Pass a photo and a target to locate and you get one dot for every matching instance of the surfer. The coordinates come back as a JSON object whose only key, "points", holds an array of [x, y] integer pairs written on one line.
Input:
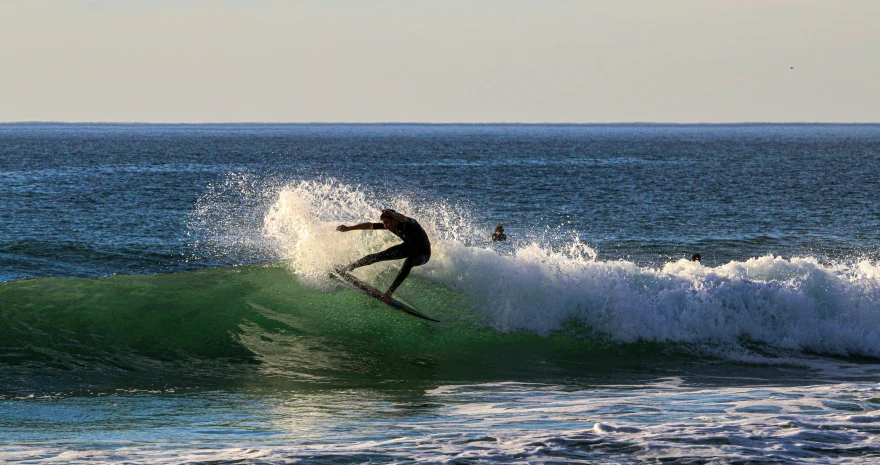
{"points": [[696, 258], [416, 248], [498, 235]]}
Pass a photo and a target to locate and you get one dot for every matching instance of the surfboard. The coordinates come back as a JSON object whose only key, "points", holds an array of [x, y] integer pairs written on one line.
{"points": [[371, 291]]}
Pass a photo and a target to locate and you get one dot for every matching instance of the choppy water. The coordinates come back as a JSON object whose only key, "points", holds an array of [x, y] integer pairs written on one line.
{"points": [[165, 298]]}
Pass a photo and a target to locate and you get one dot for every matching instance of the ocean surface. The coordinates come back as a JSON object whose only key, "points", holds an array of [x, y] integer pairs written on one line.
{"points": [[165, 299]]}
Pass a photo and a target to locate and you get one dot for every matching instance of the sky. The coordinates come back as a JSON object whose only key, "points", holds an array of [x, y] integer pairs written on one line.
{"points": [[440, 61]]}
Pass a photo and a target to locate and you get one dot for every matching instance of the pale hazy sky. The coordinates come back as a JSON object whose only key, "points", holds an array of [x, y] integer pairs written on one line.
{"points": [[440, 61]]}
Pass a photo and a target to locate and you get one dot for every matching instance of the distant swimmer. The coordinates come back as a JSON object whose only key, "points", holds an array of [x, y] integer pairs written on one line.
{"points": [[498, 235], [416, 248], [696, 258]]}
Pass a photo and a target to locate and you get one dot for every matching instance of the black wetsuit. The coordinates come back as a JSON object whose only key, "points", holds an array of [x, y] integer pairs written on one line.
{"points": [[416, 249]]}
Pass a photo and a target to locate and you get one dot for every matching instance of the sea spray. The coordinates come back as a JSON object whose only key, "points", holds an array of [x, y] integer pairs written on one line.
{"points": [[226, 222]]}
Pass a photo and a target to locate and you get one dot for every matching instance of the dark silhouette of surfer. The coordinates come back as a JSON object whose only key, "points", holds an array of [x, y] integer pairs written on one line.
{"points": [[416, 247], [696, 258]]}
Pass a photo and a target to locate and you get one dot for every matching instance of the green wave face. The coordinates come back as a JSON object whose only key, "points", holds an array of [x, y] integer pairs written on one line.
{"points": [[256, 326]]}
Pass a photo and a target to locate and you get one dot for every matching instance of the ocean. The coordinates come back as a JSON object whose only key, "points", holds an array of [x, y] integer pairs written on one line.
{"points": [[165, 297]]}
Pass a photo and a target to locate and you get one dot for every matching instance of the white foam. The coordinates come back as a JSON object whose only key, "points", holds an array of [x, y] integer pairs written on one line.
{"points": [[796, 303]]}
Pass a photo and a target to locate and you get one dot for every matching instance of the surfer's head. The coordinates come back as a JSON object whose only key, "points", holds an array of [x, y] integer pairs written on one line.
{"points": [[696, 257], [388, 219]]}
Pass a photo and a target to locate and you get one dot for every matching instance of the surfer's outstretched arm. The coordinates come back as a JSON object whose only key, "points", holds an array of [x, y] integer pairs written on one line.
{"points": [[344, 228]]}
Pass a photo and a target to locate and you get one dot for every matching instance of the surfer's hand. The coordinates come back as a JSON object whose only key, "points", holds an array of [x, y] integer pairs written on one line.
{"points": [[342, 228]]}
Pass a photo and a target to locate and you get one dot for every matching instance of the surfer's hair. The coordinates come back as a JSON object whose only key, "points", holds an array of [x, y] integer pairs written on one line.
{"points": [[387, 213]]}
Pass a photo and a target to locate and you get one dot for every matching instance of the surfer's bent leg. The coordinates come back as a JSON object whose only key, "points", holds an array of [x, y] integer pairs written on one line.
{"points": [[411, 261], [392, 253]]}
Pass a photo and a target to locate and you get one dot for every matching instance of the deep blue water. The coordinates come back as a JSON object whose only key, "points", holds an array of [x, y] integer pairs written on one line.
{"points": [[164, 294]]}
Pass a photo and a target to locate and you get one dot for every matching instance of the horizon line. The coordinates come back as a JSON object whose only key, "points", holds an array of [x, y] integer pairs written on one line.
{"points": [[422, 123]]}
